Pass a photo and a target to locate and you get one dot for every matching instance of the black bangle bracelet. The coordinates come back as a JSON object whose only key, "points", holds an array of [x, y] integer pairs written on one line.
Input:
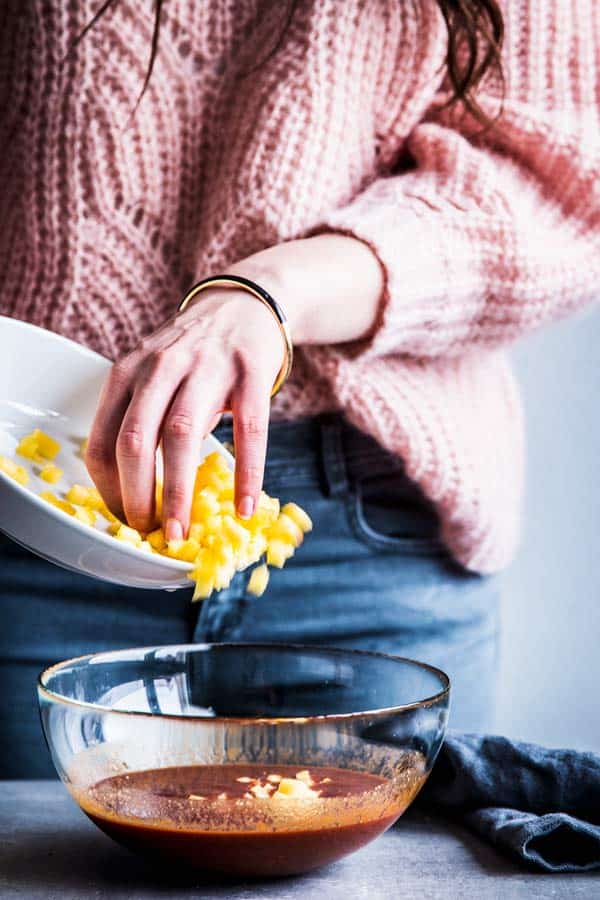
{"points": [[251, 287]]}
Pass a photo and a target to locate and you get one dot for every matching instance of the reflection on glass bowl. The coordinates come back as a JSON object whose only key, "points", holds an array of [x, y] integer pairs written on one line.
{"points": [[245, 759]]}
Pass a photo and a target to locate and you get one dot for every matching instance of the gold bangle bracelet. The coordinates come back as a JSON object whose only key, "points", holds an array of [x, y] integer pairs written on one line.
{"points": [[236, 281]]}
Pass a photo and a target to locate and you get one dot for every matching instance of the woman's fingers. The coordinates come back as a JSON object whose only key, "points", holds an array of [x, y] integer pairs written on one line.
{"points": [[184, 428], [157, 382], [100, 455], [250, 430]]}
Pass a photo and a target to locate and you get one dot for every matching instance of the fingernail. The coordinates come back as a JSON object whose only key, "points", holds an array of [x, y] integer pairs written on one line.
{"points": [[245, 507], [173, 530]]}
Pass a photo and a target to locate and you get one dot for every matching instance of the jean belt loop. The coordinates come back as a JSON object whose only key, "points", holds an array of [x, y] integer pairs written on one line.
{"points": [[332, 456]]}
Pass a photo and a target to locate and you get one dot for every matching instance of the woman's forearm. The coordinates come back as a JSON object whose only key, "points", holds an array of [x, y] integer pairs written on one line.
{"points": [[330, 286]]}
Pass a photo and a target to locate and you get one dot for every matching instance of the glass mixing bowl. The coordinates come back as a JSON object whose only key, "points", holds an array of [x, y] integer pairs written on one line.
{"points": [[245, 759]]}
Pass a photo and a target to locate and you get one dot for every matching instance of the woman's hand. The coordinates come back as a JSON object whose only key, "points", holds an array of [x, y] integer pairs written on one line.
{"points": [[223, 352]]}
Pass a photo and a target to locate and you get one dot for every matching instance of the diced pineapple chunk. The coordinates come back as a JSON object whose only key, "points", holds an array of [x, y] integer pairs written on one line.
{"points": [[107, 514], [295, 789], [258, 581], [15, 471], [256, 547], [236, 533], [278, 552], [128, 535], [298, 515], [85, 495], [28, 449], [213, 524], [156, 539], [205, 504], [51, 473], [47, 446], [87, 516], [38, 446], [216, 462], [51, 498], [286, 530], [203, 589], [187, 551]]}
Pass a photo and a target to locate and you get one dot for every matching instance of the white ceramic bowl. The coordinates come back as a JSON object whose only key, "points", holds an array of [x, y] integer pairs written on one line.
{"points": [[49, 382]]}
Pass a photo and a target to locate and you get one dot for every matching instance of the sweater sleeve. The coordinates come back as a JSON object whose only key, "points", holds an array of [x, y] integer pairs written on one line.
{"points": [[492, 234]]}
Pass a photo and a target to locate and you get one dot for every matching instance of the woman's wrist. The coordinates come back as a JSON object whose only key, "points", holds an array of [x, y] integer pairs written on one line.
{"points": [[329, 286]]}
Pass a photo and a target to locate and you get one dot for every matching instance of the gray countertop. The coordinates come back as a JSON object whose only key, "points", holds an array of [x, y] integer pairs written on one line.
{"points": [[49, 850]]}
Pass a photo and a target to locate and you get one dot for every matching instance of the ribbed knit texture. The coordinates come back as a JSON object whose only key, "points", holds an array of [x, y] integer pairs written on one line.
{"points": [[106, 218]]}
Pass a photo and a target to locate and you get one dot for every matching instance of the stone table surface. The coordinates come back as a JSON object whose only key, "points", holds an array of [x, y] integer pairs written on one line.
{"points": [[50, 850]]}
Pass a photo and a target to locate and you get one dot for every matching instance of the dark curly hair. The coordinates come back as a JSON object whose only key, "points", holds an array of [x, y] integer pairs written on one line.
{"points": [[475, 34]]}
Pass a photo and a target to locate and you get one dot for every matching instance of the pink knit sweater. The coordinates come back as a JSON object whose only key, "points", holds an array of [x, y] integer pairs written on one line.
{"points": [[105, 219]]}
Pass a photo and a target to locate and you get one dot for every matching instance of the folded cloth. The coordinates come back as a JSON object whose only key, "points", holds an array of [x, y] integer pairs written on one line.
{"points": [[538, 804]]}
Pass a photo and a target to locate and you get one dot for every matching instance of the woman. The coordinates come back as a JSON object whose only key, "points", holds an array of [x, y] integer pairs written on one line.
{"points": [[412, 211]]}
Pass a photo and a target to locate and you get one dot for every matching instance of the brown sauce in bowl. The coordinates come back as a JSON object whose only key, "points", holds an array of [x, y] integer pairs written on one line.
{"points": [[234, 818]]}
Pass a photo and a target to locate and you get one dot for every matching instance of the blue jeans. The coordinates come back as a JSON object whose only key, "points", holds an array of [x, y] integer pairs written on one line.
{"points": [[372, 574]]}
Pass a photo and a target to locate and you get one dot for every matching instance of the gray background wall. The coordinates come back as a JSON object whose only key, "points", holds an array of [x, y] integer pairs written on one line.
{"points": [[550, 659]]}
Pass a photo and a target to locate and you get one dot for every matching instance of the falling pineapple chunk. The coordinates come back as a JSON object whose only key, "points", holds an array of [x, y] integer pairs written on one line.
{"points": [[258, 581]]}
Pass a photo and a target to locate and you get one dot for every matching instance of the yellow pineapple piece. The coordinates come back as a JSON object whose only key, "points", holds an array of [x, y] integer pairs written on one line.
{"points": [[295, 789], [51, 473], [28, 448], [204, 504], [258, 581], [87, 516], [278, 552], [216, 462], [85, 495], [15, 471], [238, 536], [108, 515], [256, 547], [38, 446], [213, 524], [156, 539], [187, 551], [298, 515], [203, 589], [83, 448], [266, 513], [127, 535], [47, 446], [209, 477], [228, 508], [197, 532], [51, 498], [203, 575], [286, 530]]}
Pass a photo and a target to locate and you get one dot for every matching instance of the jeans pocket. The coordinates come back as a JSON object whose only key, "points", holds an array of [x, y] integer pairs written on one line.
{"points": [[388, 513]]}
